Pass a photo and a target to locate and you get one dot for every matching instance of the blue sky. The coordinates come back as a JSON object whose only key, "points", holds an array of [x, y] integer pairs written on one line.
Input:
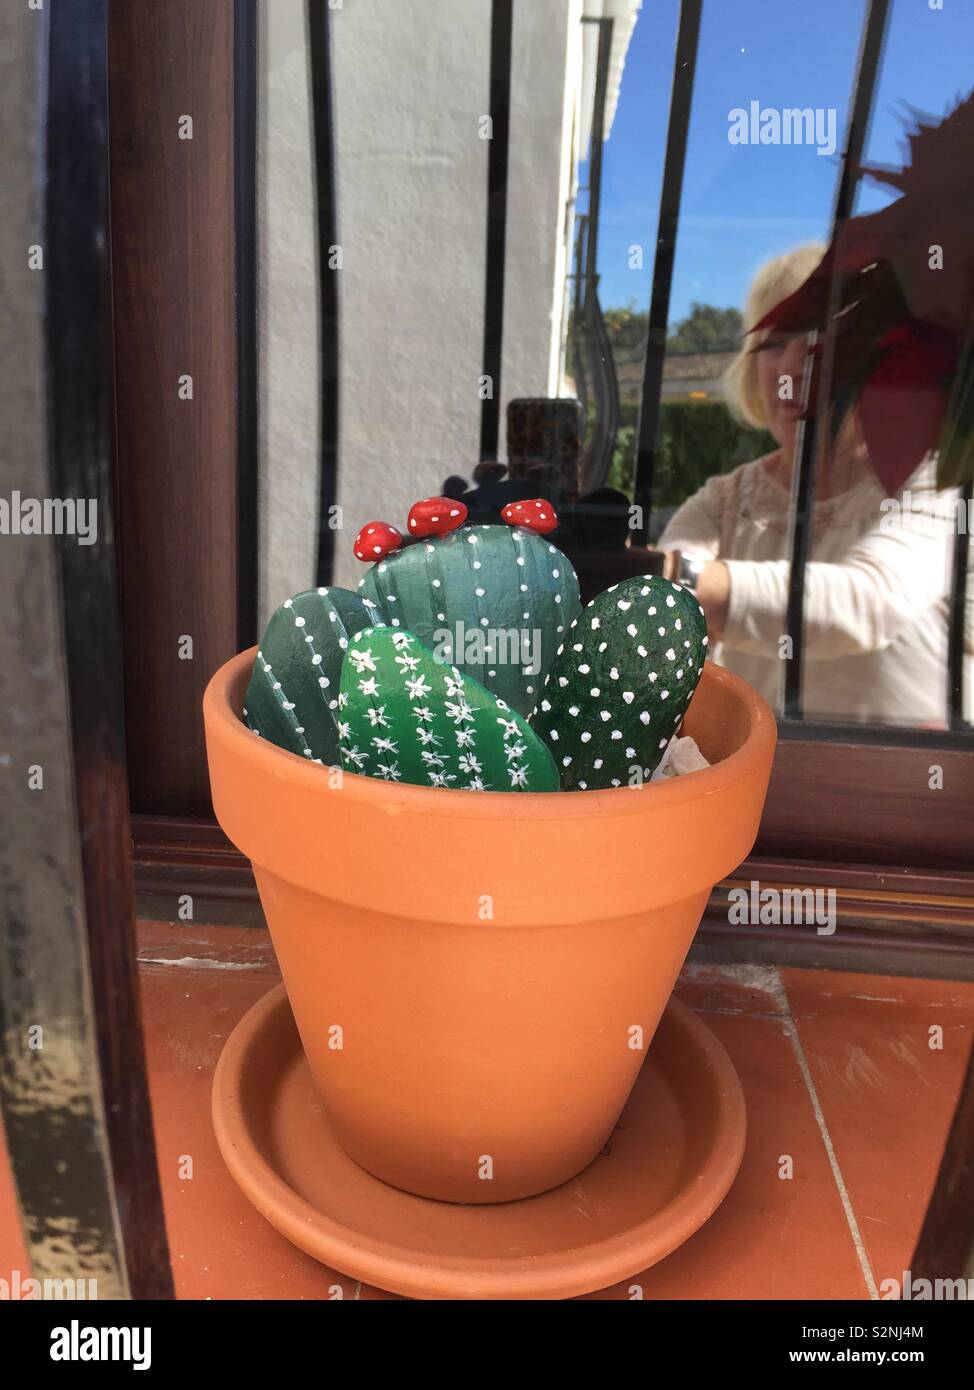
{"points": [[743, 203]]}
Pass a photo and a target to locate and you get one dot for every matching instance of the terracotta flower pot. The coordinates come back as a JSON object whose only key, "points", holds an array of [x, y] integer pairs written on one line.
{"points": [[476, 977]]}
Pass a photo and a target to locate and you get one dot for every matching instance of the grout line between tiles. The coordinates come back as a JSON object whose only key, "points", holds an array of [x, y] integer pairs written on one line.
{"points": [[844, 1198]]}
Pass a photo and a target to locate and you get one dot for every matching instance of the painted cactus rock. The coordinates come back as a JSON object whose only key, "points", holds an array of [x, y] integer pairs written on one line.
{"points": [[621, 682], [292, 698], [406, 717], [495, 601]]}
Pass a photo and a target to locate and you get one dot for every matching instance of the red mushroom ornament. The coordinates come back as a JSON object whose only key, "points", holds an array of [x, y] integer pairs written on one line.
{"points": [[435, 516], [535, 514], [376, 540]]}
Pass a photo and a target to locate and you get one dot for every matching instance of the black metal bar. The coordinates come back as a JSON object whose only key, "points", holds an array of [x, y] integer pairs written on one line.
{"points": [[809, 431], [945, 1246], [958, 605], [501, 31], [326, 218], [681, 97], [245, 263]]}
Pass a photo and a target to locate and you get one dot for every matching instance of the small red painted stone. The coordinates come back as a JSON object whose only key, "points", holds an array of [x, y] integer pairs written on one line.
{"points": [[376, 540], [534, 515], [435, 516]]}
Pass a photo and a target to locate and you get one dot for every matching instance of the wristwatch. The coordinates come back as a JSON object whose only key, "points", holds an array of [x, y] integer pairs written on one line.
{"points": [[689, 572]]}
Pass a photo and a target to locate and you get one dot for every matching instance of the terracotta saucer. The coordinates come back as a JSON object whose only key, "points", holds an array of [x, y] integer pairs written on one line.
{"points": [[667, 1166]]}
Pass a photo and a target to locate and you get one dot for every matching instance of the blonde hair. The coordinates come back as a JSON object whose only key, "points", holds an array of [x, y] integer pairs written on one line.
{"points": [[775, 280]]}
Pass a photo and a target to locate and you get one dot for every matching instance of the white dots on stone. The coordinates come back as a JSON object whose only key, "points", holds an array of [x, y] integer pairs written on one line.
{"points": [[480, 592], [644, 716], [670, 654], [584, 669], [628, 696], [624, 604], [585, 736], [633, 630]]}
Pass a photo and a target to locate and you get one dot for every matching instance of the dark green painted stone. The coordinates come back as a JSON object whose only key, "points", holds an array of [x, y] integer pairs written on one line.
{"points": [[495, 601], [621, 682], [292, 698]]}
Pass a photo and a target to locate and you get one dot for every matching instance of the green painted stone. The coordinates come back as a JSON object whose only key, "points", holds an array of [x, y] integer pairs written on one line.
{"points": [[495, 601], [406, 717], [621, 682], [292, 698]]}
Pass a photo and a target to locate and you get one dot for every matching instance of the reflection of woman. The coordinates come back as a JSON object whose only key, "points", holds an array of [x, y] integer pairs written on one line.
{"points": [[877, 579]]}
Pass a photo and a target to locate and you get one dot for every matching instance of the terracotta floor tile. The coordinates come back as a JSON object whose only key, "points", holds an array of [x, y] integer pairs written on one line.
{"points": [[887, 1096], [221, 1247], [13, 1251], [736, 989], [886, 1099], [772, 1237]]}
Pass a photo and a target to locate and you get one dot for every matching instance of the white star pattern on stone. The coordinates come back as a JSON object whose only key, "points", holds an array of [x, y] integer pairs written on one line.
{"points": [[362, 660]]}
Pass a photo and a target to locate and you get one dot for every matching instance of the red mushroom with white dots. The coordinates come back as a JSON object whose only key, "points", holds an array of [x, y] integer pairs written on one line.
{"points": [[536, 514], [435, 516], [376, 540]]}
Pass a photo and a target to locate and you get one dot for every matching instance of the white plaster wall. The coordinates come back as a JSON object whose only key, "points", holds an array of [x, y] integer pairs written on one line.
{"points": [[545, 69], [411, 82], [288, 310]]}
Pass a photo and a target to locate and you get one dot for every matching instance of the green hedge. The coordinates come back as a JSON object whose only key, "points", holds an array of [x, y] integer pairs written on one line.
{"points": [[696, 440]]}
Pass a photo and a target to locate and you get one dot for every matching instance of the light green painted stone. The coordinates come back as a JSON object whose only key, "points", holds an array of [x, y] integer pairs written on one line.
{"points": [[406, 717]]}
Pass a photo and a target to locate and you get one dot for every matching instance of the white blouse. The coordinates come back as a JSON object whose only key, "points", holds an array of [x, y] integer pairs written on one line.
{"points": [[877, 587]]}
